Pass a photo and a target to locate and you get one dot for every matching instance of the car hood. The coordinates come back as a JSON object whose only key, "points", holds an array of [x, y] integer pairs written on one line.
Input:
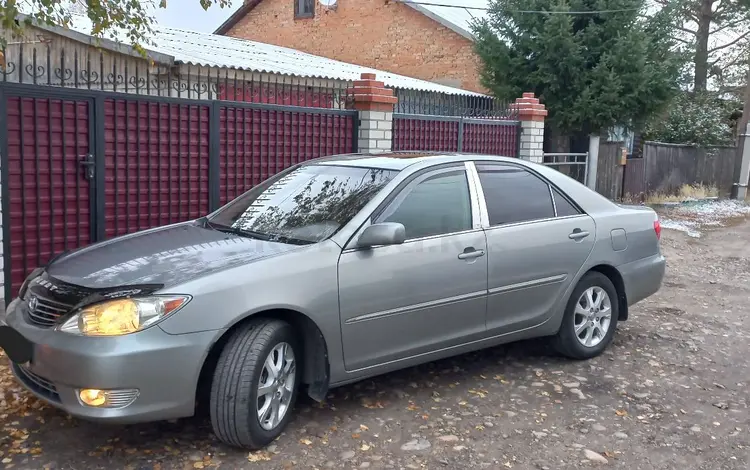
{"points": [[164, 256]]}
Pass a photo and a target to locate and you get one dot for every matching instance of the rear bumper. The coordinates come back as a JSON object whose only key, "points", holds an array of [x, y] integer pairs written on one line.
{"points": [[163, 368], [643, 278]]}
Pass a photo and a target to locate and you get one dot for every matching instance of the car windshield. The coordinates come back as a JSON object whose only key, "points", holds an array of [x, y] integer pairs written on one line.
{"points": [[305, 206]]}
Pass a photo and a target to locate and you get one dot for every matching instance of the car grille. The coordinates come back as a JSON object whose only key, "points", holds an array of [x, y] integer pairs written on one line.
{"points": [[46, 312], [36, 383]]}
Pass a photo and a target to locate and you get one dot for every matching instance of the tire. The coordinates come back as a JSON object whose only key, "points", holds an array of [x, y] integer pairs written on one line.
{"points": [[567, 342], [235, 394]]}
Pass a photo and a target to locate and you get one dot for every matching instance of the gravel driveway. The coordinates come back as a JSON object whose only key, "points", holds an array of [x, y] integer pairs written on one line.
{"points": [[671, 392]]}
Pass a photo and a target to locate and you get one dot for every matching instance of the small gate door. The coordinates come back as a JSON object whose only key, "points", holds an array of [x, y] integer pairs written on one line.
{"points": [[47, 171]]}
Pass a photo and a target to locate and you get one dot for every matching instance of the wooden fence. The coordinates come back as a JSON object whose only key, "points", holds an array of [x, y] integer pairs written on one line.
{"points": [[664, 168], [669, 167], [609, 171]]}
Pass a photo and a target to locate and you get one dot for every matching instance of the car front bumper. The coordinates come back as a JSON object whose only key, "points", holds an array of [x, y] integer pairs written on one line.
{"points": [[163, 368]]}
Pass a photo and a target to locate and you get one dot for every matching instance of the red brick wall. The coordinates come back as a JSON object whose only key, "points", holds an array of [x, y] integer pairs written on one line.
{"points": [[374, 33]]}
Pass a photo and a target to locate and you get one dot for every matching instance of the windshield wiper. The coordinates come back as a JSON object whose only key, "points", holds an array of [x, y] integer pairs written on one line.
{"points": [[268, 237], [238, 231], [290, 240]]}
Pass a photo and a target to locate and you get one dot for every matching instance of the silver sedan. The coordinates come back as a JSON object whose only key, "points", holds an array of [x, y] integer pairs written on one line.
{"points": [[332, 271]]}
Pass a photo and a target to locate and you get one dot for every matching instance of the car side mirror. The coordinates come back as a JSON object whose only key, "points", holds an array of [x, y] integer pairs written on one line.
{"points": [[387, 233]]}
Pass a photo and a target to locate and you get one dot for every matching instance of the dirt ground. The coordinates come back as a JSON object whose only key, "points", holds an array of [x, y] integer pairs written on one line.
{"points": [[670, 393]]}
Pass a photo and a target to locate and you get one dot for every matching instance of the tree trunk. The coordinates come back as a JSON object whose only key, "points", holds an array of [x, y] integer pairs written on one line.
{"points": [[746, 107], [701, 51]]}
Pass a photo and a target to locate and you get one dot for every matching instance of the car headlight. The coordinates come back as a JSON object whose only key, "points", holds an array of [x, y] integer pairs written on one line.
{"points": [[122, 316]]}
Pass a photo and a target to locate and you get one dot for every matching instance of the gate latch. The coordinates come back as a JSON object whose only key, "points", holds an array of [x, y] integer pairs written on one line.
{"points": [[88, 164]]}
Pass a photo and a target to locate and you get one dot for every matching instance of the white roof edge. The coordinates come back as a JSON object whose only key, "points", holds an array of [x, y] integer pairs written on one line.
{"points": [[443, 21], [172, 46]]}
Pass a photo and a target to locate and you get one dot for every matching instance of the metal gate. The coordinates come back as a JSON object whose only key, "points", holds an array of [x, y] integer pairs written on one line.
{"points": [[80, 166], [574, 165]]}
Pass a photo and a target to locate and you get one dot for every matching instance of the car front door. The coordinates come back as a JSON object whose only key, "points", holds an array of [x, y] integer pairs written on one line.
{"points": [[537, 241], [426, 294]]}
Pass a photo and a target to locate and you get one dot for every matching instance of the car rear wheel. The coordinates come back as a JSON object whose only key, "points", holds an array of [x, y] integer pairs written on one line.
{"points": [[255, 384], [590, 318]]}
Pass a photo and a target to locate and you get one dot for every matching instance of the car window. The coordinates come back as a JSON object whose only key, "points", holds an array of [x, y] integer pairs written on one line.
{"points": [[306, 206], [564, 208], [438, 205], [514, 195]]}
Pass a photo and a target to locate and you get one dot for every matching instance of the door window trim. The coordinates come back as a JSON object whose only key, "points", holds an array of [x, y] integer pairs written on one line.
{"points": [[550, 186], [410, 182]]}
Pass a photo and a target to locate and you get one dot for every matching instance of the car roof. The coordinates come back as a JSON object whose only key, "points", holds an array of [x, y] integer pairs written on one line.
{"points": [[400, 160], [590, 201]]}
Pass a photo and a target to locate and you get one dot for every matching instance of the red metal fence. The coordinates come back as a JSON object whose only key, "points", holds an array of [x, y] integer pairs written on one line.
{"points": [[456, 134], [79, 166], [258, 141]]}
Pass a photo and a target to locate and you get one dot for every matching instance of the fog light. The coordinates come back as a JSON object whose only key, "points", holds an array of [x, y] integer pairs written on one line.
{"points": [[92, 397], [107, 398]]}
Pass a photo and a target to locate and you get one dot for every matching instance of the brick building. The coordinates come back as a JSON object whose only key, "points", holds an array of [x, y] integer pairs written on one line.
{"points": [[418, 39]]}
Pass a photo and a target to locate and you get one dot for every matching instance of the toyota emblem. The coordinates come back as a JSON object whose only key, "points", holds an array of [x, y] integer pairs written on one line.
{"points": [[33, 301]]}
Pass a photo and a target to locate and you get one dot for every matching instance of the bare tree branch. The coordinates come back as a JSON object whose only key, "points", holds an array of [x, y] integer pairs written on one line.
{"points": [[729, 25], [687, 30], [736, 61], [730, 43]]}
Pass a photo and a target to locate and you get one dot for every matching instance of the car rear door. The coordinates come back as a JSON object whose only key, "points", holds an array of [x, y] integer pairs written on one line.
{"points": [[537, 241], [429, 293]]}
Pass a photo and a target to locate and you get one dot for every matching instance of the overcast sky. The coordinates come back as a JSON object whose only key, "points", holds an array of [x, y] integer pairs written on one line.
{"points": [[188, 14]]}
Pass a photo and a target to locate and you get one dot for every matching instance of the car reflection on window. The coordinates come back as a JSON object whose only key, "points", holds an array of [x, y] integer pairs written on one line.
{"points": [[308, 205]]}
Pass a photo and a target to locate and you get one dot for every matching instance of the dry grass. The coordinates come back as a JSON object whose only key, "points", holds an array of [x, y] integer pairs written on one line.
{"points": [[686, 192]]}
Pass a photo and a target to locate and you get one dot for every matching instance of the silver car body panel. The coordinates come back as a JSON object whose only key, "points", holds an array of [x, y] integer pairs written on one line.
{"points": [[377, 310]]}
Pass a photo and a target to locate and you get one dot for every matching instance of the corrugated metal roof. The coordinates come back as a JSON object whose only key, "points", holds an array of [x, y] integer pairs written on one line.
{"points": [[190, 47], [222, 51], [454, 14]]}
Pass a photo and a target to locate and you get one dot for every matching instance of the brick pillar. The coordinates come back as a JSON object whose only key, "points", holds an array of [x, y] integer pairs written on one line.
{"points": [[375, 105], [531, 113]]}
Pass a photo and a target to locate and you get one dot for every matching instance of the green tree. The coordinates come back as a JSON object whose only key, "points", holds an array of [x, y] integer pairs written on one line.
{"points": [[130, 19], [697, 119], [593, 69]]}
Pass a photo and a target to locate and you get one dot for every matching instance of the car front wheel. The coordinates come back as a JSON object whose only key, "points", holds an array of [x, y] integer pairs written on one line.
{"points": [[255, 384], [590, 318]]}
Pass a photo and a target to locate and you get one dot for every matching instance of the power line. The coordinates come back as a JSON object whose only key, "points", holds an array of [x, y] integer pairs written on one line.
{"points": [[545, 12]]}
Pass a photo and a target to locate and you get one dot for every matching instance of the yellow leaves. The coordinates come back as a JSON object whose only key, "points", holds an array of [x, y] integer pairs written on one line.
{"points": [[259, 456], [370, 404], [198, 465], [365, 447], [621, 412], [307, 442], [363, 427], [479, 393]]}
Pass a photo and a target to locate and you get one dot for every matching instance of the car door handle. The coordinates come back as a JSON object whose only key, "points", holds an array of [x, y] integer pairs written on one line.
{"points": [[578, 234], [471, 253]]}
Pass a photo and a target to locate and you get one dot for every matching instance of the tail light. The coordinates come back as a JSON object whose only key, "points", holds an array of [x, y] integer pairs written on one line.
{"points": [[657, 228]]}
